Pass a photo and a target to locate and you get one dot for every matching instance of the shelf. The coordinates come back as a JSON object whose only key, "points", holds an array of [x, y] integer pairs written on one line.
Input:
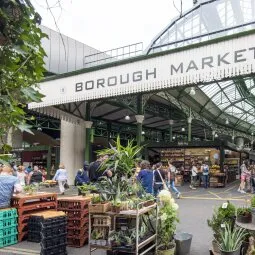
{"points": [[147, 241], [104, 247]]}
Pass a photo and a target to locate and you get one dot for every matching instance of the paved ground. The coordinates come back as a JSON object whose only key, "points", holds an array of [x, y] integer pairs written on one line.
{"points": [[196, 206]]}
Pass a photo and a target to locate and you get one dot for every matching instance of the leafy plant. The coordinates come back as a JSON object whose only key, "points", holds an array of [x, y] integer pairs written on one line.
{"points": [[21, 64], [253, 202], [30, 189], [231, 238], [244, 211], [121, 159], [168, 219], [85, 188], [222, 216]]}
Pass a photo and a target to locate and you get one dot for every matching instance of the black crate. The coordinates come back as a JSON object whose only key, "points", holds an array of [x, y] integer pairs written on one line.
{"points": [[34, 237], [59, 250], [52, 242], [55, 230]]}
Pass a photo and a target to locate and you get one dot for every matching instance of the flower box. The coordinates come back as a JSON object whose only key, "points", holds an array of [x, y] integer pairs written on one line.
{"points": [[100, 207]]}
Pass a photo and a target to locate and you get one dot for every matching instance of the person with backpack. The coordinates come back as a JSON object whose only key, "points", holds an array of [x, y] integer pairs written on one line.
{"points": [[205, 171], [172, 172], [35, 177], [159, 178]]}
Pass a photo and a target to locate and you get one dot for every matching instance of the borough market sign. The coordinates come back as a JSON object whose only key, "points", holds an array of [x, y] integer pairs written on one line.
{"points": [[197, 65]]}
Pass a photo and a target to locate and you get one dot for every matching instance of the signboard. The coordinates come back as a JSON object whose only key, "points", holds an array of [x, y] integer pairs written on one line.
{"points": [[216, 61]]}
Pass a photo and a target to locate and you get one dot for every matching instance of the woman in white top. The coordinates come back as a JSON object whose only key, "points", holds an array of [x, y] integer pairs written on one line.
{"points": [[21, 175], [61, 177], [193, 175]]}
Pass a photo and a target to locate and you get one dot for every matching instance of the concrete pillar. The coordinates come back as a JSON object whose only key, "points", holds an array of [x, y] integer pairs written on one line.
{"points": [[67, 149], [14, 138], [88, 125], [170, 122], [189, 129], [139, 119]]}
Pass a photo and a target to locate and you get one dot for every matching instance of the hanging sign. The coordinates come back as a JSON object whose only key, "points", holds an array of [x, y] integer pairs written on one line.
{"points": [[206, 63]]}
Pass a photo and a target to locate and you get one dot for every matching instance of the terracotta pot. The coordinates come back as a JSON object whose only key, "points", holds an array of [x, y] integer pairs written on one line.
{"points": [[170, 251], [116, 209]]}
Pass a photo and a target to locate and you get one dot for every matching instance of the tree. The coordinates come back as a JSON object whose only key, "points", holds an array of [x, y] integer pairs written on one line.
{"points": [[21, 63]]}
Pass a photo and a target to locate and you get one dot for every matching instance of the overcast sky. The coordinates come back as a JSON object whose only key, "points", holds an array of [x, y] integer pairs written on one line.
{"points": [[107, 24]]}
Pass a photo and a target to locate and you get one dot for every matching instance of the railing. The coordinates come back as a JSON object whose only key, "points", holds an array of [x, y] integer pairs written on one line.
{"points": [[113, 55]]}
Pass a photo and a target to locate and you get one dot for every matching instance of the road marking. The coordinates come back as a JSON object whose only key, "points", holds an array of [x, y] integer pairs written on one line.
{"points": [[215, 198], [214, 194]]}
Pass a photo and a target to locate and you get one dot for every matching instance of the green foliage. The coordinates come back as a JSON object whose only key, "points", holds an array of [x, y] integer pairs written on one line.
{"points": [[30, 189], [167, 224], [222, 216], [86, 188], [243, 211], [253, 201], [21, 62], [121, 159], [231, 238]]}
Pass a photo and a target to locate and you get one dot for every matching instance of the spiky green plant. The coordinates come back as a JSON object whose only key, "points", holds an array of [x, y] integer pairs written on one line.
{"points": [[121, 159], [231, 239]]}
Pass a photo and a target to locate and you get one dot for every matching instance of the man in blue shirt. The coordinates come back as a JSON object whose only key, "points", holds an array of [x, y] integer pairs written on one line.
{"points": [[8, 185], [145, 176]]}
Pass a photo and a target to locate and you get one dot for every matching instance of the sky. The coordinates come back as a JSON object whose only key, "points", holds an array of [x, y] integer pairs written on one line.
{"points": [[108, 24]]}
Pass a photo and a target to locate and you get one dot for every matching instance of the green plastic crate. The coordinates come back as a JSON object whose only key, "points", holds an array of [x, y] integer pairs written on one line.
{"points": [[8, 223], [8, 232], [8, 214], [9, 240]]}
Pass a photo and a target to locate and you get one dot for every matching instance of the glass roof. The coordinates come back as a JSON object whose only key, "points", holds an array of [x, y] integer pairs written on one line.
{"points": [[208, 19], [235, 99]]}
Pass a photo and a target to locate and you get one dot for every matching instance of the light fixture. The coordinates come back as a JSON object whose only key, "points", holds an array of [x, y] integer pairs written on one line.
{"points": [[173, 137], [143, 133], [39, 128], [183, 129], [216, 135], [127, 117], [157, 140], [227, 121], [192, 91]]}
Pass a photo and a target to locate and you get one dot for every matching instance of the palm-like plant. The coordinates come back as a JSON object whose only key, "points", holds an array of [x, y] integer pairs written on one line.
{"points": [[231, 240], [121, 159]]}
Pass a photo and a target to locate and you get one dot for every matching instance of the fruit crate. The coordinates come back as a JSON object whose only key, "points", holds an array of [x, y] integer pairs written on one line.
{"points": [[22, 236], [54, 251], [53, 230], [8, 214], [99, 208], [34, 237], [75, 203], [77, 233], [76, 214], [52, 242], [8, 223], [8, 232], [77, 223], [8, 240], [77, 242]]}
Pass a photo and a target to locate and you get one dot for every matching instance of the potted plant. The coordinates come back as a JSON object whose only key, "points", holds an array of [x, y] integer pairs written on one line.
{"points": [[168, 220], [129, 239], [225, 213], [85, 189], [115, 238], [231, 240], [30, 189], [116, 204], [253, 209], [244, 214]]}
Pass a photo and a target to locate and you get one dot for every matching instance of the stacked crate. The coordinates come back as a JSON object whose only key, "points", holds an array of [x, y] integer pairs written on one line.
{"points": [[50, 229], [8, 227], [29, 204], [76, 209]]}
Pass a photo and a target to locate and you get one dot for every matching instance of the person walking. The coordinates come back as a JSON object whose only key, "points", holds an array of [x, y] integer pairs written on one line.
{"points": [[145, 176], [245, 176], [21, 175], [193, 175], [159, 178], [35, 177], [61, 178], [172, 171], [205, 171]]}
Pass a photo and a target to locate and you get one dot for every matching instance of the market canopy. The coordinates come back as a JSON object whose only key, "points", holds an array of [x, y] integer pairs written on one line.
{"points": [[211, 47]]}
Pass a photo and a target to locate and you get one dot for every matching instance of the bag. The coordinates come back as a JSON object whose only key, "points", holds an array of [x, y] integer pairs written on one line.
{"points": [[163, 182], [66, 186]]}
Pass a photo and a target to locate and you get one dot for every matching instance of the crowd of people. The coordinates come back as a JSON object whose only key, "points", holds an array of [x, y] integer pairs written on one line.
{"points": [[247, 183]]}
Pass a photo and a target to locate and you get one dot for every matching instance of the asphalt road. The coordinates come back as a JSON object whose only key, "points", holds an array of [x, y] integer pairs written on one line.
{"points": [[196, 206]]}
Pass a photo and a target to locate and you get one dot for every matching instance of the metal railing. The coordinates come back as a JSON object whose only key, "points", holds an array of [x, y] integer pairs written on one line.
{"points": [[113, 55]]}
